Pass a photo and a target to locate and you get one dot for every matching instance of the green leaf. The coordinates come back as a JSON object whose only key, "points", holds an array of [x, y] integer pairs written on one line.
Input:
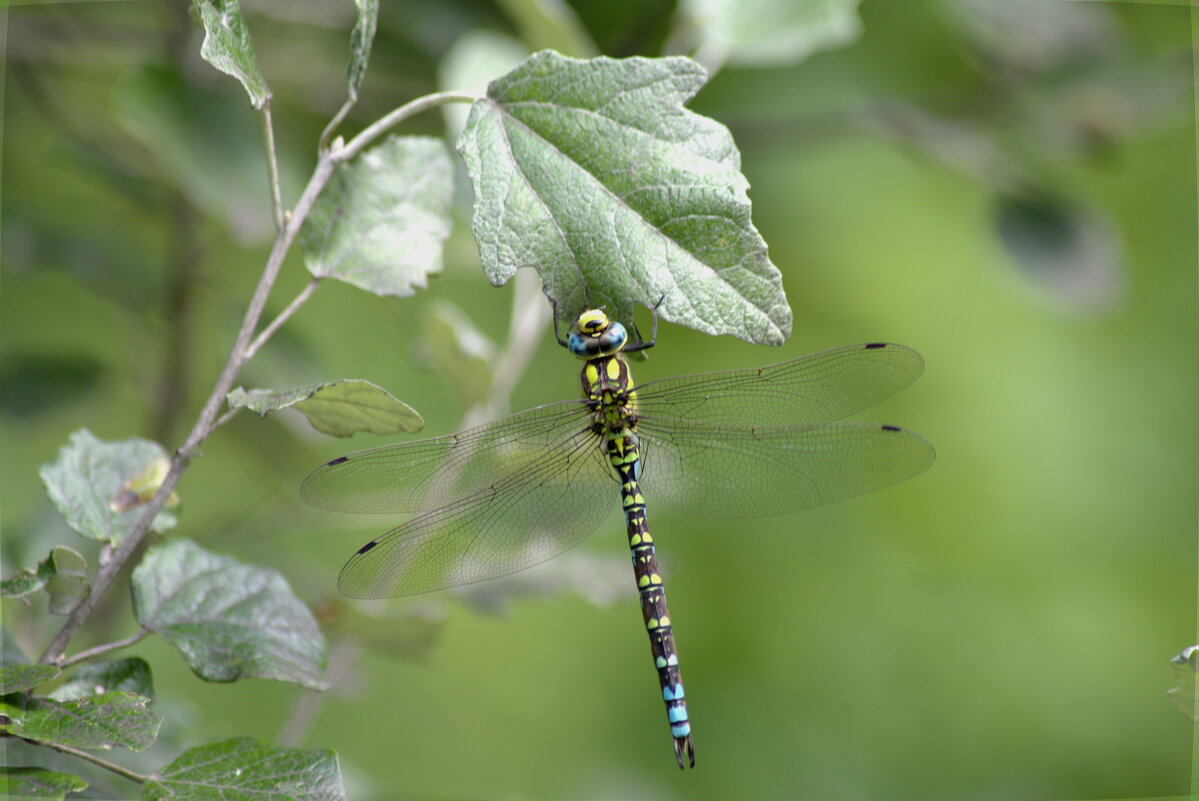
{"points": [[246, 769], [63, 573], [111, 720], [96, 678], [1185, 665], [381, 221], [338, 408], [40, 782], [69, 583], [88, 476], [227, 47], [18, 677], [594, 174], [229, 620], [771, 33], [361, 39]]}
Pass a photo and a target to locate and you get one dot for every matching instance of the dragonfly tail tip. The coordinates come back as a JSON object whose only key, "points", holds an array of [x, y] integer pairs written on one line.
{"points": [[683, 745]]}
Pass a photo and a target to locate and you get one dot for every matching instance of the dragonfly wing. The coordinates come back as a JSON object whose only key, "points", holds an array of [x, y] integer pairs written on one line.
{"points": [[811, 389], [520, 520], [756, 471], [430, 473]]}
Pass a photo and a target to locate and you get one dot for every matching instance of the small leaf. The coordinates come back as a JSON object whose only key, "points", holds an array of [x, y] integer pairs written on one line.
{"points": [[1186, 664], [247, 770], [361, 39], [381, 221], [227, 47], [229, 620], [69, 584], [89, 473], [39, 782], [594, 174], [18, 677], [96, 678], [63, 574], [771, 33], [111, 720], [338, 408]]}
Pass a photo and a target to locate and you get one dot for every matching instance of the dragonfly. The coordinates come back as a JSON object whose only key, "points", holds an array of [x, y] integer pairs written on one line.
{"points": [[518, 491]]}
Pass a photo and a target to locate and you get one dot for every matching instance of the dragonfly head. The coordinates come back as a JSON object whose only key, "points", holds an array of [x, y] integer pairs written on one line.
{"points": [[596, 335]]}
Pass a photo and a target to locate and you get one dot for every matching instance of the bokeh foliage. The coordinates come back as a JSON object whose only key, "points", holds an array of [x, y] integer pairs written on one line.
{"points": [[1010, 193]]}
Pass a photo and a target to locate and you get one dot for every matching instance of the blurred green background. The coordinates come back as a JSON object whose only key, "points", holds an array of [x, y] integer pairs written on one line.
{"points": [[1010, 192]]}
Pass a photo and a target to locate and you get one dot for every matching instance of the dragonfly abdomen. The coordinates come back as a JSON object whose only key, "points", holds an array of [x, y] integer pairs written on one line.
{"points": [[624, 452]]}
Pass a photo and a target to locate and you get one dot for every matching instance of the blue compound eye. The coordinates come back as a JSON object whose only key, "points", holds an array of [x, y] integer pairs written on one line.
{"points": [[613, 340]]}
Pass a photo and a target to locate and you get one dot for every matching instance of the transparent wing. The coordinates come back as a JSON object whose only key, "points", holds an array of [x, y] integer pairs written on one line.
{"points": [[727, 471], [520, 520], [811, 389], [430, 473]]}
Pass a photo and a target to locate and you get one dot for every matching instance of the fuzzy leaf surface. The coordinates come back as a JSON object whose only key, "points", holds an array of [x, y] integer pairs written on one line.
{"points": [[594, 174], [229, 620]]}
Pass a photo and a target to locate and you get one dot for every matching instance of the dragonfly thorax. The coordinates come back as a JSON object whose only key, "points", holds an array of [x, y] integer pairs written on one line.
{"points": [[595, 335]]}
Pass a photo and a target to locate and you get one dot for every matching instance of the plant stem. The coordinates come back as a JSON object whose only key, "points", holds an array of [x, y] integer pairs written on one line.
{"points": [[239, 353], [229, 414], [372, 131], [142, 633], [272, 165], [95, 760], [274, 325], [204, 424], [323, 143]]}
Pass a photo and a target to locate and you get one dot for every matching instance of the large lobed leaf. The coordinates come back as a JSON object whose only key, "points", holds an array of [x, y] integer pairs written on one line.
{"points": [[90, 476], [594, 174], [229, 620], [246, 769], [110, 720], [337, 408], [381, 221]]}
